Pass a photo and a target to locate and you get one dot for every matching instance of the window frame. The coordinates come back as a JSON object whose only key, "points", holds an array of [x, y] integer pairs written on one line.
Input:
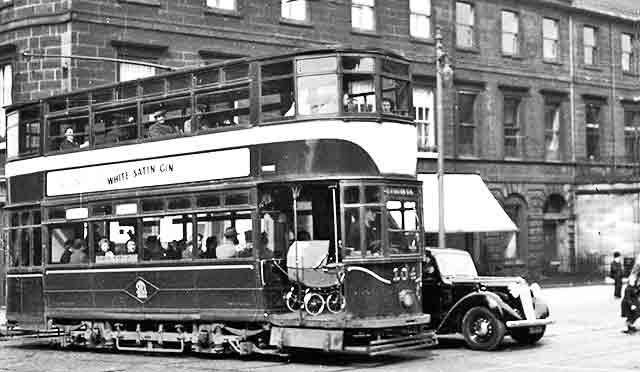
{"points": [[471, 26], [554, 41], [631, 133], [460, 125], [516, 129], [289, 19], [550, 131], [593, 47], [417, 14], [515, 35], [593, 132], [430, 143], [358, 6], [216, 7], [628, 53]]}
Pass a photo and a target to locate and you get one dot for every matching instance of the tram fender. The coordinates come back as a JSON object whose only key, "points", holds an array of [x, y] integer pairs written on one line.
{"points": [[320, 339]]}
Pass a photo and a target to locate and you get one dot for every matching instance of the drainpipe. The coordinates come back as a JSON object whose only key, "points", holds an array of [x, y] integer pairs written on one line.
{"points": [[613, 98], [572, 93]]}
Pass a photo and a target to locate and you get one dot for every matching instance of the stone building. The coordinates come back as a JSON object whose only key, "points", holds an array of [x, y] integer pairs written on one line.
{"points": [[544, 102]]}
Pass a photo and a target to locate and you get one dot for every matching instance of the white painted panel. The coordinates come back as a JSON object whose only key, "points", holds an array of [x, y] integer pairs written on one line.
{"points": [[153, 172]]}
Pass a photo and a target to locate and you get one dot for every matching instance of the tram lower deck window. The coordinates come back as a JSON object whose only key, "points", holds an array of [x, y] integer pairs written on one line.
{"points": [[68, 243]]}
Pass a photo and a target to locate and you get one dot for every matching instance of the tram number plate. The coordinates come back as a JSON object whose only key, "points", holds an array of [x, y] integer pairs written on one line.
{"points": [[536, 330]]}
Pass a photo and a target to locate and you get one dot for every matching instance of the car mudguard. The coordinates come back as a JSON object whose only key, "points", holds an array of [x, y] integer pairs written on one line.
{"points": [[490, 300]]}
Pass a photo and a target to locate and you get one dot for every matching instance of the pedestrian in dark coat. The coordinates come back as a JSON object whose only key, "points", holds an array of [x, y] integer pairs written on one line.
{"points": [[630, 305], [616, 274]]}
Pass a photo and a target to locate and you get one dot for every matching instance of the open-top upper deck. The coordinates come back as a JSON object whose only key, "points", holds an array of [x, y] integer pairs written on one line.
{"points": [[331, 85]]}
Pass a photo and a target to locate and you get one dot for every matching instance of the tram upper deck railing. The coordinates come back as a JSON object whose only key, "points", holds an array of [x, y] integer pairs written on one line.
{"points": [[337, 84]]}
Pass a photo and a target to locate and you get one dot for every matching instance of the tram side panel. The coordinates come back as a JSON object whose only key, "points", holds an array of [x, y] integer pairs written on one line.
{"points": [[175, 293], [25, 303]]}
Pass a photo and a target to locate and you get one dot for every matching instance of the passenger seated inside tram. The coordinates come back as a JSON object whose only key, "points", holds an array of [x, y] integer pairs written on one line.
{"points": [[79, 252], [198, 122], [106, 249], [209, 248], [131, 247], [230, 246], [66, 254], [350, 104]]}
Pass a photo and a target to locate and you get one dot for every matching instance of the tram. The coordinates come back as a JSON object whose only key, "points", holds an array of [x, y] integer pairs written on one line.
{"points": [[257, 205]]}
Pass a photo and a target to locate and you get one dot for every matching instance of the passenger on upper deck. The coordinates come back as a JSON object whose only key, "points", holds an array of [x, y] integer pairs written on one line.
{"points": [[160, 128], [387, 105], [131, 247], [69, 141], [68, 249]]}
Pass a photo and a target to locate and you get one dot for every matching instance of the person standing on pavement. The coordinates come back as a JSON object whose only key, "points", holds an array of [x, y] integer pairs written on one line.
{"points": [[616, 274], [630, 305]]}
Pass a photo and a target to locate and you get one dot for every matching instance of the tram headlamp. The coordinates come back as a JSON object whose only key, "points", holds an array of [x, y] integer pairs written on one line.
{"points": [[407, 298]]}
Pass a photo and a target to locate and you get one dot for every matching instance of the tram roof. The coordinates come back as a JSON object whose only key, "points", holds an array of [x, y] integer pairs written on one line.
{"points": [[340, 48]]}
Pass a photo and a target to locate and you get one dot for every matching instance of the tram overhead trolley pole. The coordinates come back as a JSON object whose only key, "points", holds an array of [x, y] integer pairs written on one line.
{"points": [[443, 72]]}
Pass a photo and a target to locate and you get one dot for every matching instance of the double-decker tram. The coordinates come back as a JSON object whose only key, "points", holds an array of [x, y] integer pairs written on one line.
{"points": [[257, 205]]}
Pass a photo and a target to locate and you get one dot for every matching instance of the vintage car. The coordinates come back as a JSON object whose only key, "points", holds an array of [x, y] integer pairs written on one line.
{"points": [[483, 309]]}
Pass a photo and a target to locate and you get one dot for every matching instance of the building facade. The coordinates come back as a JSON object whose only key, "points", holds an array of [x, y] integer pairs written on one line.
{"points": [[544, 102]]}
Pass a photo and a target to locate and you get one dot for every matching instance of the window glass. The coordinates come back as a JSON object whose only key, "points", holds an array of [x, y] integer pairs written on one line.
{"points": [[237, 71], [351, 194], [358, 64], [29, 132], [222, 4], [57, 213], [14, 248], [115, 125], [395, 96], [14, 140], [115, 241], [130, 71], [167, 238], [510, 33], [225, 235], [420, 21], [552, 131], [78, 100], [102, 95], [149, 205], [37, 246], [57, 104], [550, 36], [317, 94], [68, 244], [592, 121], [223, 109], [208, 77], [359, 94], [511, 127], [626, 51], [68, 133], [316, 65], [390, 66], [362, 226], [102, 209], [208, 201], [403, 226], [235, 199], [179, 82], [180, 203], [277, 99], [294, 9], [589, 43], [166, 118], [465, 20], [372, 194], [423, 106], [363, 14], [126, 91], [153, 86]]}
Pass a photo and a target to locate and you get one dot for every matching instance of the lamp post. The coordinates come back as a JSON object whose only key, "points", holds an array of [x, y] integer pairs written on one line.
{"points": [[443, 72]]}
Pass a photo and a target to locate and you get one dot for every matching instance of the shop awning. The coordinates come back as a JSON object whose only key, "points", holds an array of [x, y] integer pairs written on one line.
{"points": [[469, 206]]}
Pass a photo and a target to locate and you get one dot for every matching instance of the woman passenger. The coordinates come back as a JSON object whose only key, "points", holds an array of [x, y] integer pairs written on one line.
{"points": [[79, 252], [131, 247], [105, 248]]}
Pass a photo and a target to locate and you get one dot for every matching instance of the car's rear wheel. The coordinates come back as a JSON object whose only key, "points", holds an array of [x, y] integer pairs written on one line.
{"points": [[526, 337], [481, 329]]}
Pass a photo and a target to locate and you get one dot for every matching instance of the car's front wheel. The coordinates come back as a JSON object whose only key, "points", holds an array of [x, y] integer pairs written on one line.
{"points": [[527, 336], [481, 328]]}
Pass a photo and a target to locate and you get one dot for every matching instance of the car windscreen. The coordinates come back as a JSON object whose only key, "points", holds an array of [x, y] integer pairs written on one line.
{"points": [[456, 265]]}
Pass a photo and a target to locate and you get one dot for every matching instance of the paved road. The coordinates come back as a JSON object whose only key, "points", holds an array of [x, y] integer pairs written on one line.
{"points": [[586, 338]]}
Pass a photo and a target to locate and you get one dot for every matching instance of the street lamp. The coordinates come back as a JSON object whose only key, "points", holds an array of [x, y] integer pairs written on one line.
{"points": [[443, 72]]}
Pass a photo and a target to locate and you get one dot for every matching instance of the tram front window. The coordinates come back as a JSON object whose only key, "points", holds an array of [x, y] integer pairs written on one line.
{"points": [[363, 226], [403, 226], [317, 85]]}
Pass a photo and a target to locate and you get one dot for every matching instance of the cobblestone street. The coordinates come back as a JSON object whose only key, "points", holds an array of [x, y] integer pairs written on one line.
{"points": [[586, 337]]}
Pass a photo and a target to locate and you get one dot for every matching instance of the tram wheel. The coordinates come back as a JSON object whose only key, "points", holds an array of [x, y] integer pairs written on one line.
{"points": [[313, 303], [335, 302]]}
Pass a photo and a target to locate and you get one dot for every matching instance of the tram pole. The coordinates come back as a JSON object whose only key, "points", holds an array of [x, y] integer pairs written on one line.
{"points": [[443, 71]]}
